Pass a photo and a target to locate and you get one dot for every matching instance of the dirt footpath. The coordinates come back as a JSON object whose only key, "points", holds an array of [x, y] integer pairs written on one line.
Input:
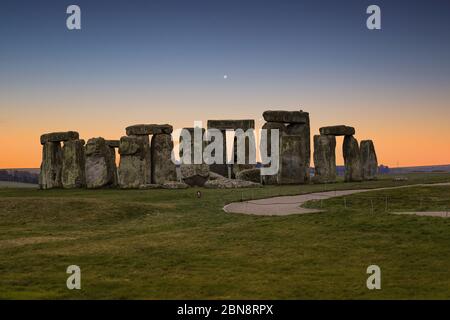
{"points": [[282, 206]]}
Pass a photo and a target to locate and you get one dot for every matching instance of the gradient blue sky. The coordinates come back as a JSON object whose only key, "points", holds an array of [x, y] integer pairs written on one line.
{"points": [[163, 62]]}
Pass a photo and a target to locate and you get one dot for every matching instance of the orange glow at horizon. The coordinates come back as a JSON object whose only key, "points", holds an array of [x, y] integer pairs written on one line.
{"points": [[411, 138]]}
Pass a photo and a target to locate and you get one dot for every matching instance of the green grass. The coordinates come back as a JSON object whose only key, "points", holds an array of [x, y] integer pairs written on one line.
{"points": [[168, 244]]}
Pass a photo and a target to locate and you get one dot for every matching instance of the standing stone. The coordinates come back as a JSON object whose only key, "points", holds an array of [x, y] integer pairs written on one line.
{"points": [[324, 158], [221, 168], [369, 160], [352, 159], [200, 145], [193, 174], [51, 166], [132, 165], [269, 126], [73, 164], [163, 169], [292, 160], [99, 166], [303, 130], [148, 158]]}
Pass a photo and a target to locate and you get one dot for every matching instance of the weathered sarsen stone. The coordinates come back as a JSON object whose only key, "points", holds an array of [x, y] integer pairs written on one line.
{"points": [[352, 159], [303, 130], [51, 166], [292, 160], [99, 166], [286, 116], [369, 160], [73, 164], [192, 144], [324, 158], [220, 168], [340, 130], [148, 129], [244, 124], [59, 136], [163, 168], [270, 127], [132, 162], [253, 175], [113, 145], [194, 174]]}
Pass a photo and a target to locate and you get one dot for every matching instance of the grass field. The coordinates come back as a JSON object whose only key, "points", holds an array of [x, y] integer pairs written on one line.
{"points": [[169, 244]]}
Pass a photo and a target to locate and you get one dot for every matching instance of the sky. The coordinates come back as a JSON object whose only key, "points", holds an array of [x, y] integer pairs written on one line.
{"points": [[165, 61]]}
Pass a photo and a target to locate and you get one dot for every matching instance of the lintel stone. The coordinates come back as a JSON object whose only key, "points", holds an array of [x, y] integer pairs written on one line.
{"points": [[113, 143], [148, 129], [339, 130], [286, 116], [231, 124], [59, 136]]}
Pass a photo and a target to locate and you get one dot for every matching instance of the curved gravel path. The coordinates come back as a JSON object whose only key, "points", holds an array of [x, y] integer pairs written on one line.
{"points": [[286, 205]]}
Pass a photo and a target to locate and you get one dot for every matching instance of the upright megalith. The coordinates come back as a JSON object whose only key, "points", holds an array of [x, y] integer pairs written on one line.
{"points": [[220, 168], [194, 172], [270, 128], [163, 168], [369, 160], [52, 158], [99, 166], [132, 165], [192, 146], [304, 131], [297, 125], [292, 160], [324, 158], [51, 166], [352, 159], [73, 164]]}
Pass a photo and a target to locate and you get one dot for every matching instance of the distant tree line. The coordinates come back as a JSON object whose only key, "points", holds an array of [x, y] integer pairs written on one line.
{"points": [[19, 176]]}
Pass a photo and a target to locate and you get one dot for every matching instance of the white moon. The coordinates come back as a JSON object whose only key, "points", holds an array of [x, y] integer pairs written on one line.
{"points": [[225, 76]]}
